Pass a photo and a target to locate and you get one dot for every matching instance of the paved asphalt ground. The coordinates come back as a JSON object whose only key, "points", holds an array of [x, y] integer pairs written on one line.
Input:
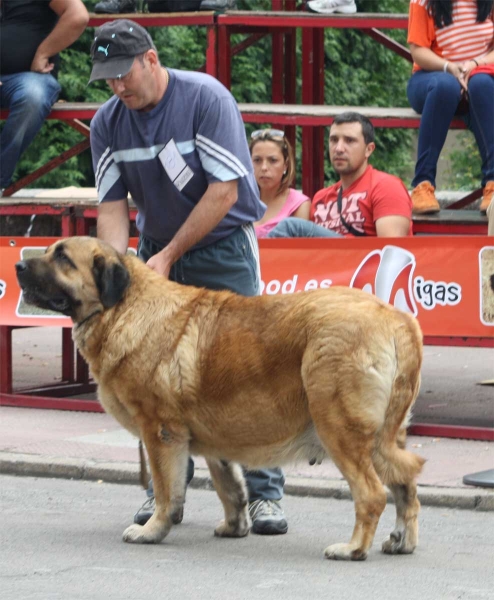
{"points": [[62, 541]]}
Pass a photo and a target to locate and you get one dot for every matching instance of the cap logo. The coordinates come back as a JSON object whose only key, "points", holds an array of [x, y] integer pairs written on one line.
{"points": [[104, 50]]}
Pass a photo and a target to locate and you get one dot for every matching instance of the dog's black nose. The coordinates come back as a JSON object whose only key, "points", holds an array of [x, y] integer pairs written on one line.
{"points": [[21, 266]]}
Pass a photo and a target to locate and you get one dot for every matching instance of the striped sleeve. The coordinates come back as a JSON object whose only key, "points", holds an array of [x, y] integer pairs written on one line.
{"points": [[221, 143], [107, 176]]}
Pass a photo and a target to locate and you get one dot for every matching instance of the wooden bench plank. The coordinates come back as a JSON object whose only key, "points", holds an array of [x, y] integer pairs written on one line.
{"points": [[451, 222], [284, 19], [157, 19], [282, 114]]}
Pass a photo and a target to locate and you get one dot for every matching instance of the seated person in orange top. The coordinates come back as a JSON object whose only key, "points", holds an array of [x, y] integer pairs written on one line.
{"points": [[274, 169], [452, 46], [365, 202]]}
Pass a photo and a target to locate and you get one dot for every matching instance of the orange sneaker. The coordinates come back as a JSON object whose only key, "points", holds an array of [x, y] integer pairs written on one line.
{"points": [[424, 200], [487, 196]]}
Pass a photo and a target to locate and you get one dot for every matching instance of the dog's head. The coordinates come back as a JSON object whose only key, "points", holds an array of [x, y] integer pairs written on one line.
{"points": [[77, 277]]}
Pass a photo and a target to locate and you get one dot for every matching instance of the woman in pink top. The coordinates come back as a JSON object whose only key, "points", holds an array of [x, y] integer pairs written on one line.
{"points": [[274, 169]]}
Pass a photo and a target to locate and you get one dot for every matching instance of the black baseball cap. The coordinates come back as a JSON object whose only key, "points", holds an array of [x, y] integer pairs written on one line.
{"points": [[115, 46]]}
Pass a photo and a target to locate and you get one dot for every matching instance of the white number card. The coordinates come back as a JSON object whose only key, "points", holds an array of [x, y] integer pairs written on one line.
{"points": [[175, 166]]}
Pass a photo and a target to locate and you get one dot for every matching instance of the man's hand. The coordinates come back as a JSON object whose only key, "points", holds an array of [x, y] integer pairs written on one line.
{"points": [[41, 64], [161, 263]]}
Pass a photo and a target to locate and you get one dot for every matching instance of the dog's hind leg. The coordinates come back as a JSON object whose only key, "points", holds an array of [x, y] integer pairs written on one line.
{"points": [[351, 452], [168, 462], [229, 483], [404, 538]]}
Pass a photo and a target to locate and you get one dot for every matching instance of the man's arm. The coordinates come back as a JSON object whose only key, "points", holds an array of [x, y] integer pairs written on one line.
{"points": [[113, 224], [392, 226], [73, 18], [207, 213]]}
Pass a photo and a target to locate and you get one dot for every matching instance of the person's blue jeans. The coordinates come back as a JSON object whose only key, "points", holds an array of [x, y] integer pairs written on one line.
{"points": [[436, 95], [229, 264], [29, 98], [294, 227]]}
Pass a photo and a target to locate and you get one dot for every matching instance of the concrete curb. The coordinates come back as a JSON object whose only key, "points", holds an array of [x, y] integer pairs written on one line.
{"points": [[29, 465]]}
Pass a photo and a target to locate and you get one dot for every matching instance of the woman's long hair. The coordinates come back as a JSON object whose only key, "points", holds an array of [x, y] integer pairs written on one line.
{"points": [[442, 11]]}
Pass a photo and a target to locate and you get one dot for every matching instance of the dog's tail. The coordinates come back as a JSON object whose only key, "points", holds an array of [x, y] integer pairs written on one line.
{"points": [[392, 462]]}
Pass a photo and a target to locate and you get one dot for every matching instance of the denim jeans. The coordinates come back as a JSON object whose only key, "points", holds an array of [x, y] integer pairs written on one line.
{"points": [[229, 264], [436, 95], [294, 227], [29, 98]]}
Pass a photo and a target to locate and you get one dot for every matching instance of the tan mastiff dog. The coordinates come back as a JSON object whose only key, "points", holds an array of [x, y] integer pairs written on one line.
{"points": [[253, 381]]}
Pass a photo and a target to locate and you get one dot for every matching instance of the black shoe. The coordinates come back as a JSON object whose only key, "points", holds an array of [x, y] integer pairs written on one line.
{"points": [[115, 6], [167, 6], [267, 517], [146, 511]]}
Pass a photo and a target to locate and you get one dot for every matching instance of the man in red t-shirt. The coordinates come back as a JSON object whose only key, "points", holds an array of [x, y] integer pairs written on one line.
{"points": [[371, 203]]}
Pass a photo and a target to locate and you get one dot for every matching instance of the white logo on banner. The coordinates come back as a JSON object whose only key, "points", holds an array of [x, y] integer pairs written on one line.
{"points": [[3, 288], [388, 274]]}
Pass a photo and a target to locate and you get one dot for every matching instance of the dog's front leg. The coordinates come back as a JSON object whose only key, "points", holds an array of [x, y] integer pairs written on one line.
{"points": [[229, 483], [168, 462]]}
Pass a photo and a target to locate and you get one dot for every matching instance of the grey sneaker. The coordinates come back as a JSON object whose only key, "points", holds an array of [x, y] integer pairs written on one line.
{"points": [[267, 517], [218, 5], [146, 511], [115, 6]]}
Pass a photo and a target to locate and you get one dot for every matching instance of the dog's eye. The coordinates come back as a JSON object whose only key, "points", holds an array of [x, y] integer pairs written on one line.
{"points": [[61, 257]]}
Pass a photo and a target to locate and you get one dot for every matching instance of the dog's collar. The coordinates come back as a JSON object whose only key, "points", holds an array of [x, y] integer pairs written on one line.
{"points": [[90, 316]]}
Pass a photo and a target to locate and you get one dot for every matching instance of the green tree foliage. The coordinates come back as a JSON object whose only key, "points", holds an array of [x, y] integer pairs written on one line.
{"points": [[358, 72]]}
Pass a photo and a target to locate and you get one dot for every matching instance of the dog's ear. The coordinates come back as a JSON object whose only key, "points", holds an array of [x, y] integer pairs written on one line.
{"points": [[112, 279]]}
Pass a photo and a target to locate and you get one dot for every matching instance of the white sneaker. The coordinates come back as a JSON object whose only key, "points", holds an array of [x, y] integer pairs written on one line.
{"points": [[327, 7]]}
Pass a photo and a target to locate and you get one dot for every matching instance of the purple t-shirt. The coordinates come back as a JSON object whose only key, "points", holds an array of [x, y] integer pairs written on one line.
{"points": [[167, 157]]}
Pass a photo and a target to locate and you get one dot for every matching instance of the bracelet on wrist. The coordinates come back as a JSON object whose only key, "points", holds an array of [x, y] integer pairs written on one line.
{"points": [[473, 60], [445, 66]]}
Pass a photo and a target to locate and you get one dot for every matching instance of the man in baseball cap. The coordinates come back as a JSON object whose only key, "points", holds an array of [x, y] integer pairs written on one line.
{"points": [[175, 141], [115, 46]]}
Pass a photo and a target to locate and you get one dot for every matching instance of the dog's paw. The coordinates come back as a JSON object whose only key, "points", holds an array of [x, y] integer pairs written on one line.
{"points": [[138, 534], [344, 552], [235, 529], [396, 543]]}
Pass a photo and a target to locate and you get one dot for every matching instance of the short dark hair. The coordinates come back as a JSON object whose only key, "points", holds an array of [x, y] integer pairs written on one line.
{"points": [[355, 117]]}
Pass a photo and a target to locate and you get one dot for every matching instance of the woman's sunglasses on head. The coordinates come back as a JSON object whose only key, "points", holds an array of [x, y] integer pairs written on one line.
{"points": [[267, 133]]}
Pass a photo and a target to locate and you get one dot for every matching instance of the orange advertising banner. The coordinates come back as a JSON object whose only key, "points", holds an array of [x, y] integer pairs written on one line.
{"points": [[444, 281]]}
